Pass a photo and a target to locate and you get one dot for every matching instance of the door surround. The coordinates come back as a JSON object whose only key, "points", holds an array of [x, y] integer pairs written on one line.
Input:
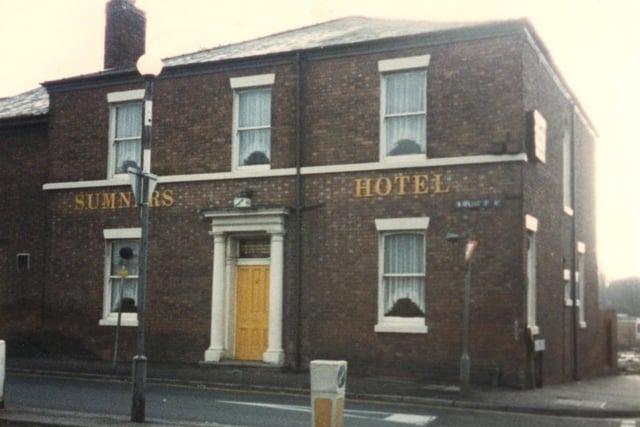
{"points": [[226, 225]]}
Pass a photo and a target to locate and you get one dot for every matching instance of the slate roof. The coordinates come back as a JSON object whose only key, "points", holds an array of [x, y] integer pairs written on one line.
{"points": [[331, 33], [347, 30], [32, 103]]}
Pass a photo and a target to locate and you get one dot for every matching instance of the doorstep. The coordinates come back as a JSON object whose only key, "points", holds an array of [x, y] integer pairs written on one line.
{"points": [[241, 364]]}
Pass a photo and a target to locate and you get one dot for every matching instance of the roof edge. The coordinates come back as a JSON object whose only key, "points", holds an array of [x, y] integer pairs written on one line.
{"points": [[511, 26]]}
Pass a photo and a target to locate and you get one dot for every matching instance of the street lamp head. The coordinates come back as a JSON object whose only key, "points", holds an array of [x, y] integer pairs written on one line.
{"points": [[452, 237], [149, 66]]}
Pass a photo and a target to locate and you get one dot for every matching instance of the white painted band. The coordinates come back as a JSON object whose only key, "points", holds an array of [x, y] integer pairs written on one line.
{"points": [[307, 170], [127, 95], [252, 81]]}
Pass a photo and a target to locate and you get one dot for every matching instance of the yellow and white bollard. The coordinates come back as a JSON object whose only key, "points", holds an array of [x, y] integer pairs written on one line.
{"points": [[2, 354], [328, 386]]}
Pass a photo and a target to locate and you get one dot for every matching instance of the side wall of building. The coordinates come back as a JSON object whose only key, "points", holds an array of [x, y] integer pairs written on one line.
{"points": [[23, 170], [543, 189]]}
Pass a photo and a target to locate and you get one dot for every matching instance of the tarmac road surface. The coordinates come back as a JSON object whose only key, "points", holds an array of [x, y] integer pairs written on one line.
{"points": [[238, 408]]}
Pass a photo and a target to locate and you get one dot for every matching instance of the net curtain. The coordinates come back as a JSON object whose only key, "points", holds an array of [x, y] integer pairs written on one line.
{"points": [[254, 111], [404, 267], [128, 134], [405, 94]]}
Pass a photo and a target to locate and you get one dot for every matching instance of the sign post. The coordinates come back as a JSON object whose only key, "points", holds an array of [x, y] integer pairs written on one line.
{"points": [[465, 360], [2, 365], [328, 386]]}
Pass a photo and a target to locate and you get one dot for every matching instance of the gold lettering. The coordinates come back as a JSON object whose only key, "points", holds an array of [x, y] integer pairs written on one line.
{"points": [[79, 201], [108, 201], [388, 186], [91, 200], [155, 199], [363, 187], [420, 184], [167, 198], [124, 199], [401, 181], [439, 185]]}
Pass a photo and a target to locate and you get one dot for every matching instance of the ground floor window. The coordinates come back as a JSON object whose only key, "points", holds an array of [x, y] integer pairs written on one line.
{"points": [[581, 248], [531, 224], [120, 293], [402, 274]]}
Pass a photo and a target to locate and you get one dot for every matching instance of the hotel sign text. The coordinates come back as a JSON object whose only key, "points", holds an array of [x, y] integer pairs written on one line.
{"points": [[429, 183], [120, 200]]}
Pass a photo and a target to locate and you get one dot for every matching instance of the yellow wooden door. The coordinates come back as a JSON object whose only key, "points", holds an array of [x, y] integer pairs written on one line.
{"points": [[252, 311]]}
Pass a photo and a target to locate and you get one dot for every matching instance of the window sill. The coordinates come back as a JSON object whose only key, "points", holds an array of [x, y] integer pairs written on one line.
{"points": [[583, 325], [251, 168], [533, 329], [404, 158], [568, 210], [124, 321], [402, 328]]}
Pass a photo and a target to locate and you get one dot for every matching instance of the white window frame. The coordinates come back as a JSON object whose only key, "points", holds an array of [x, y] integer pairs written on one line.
{"points": [[399, 65], [566, 174], [531, 225], [110, 318], [539, 136], [116, 99], [248, 83], [580, 301], [384, 227], [566, 280]]}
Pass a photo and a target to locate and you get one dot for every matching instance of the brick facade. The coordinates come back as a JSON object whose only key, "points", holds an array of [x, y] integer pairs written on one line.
{"points": [[478, 92]]}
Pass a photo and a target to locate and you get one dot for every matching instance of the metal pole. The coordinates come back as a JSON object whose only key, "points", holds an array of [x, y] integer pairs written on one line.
{"points": [[140, 360], [115, 347], [465, 361]]}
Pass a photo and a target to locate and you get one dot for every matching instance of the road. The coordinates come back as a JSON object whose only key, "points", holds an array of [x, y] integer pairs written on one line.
{"points": [[239, 408]]}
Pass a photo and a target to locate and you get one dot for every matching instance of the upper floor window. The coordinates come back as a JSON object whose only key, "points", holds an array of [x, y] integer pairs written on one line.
{"points": [[566, 174], [403, 108], [125, 129], [252, 121]]}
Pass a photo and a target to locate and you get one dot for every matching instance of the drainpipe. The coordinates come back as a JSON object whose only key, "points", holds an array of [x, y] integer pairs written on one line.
{"points": [[574, 311], [299, 202]]}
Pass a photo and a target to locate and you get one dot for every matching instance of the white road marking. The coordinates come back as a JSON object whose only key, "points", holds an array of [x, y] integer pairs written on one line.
{"points": [[418, 420], [628, 423], [581, 403]]}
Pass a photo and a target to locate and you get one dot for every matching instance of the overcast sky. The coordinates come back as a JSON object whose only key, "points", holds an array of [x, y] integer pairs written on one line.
{"points": [[595, 44]]}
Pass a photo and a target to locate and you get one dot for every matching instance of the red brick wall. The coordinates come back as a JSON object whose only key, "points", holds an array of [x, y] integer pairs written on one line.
{"points": [[477, 96], [23, 170], [544, 199]]}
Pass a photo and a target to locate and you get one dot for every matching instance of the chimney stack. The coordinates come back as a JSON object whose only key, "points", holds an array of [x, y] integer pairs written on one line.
{"points": [[124, 38]]}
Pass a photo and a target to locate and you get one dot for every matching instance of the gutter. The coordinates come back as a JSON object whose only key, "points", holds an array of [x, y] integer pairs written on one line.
{"points": [[299, 203], [574, 311]]}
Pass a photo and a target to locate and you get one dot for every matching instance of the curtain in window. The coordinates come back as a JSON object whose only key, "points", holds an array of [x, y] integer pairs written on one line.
{"points": [[128, 134], [405, 98], [404, 268], [126, 150], [130, 283], [254, 121]]}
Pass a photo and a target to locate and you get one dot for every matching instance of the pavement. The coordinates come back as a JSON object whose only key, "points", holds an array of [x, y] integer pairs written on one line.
{"points": [[616, 396]]}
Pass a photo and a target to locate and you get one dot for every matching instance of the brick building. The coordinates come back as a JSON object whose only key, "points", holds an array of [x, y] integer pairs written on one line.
{"points": [[359, 144]]}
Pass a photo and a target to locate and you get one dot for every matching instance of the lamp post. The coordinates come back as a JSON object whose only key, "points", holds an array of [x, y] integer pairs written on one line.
{"points": [[149, 68], [465, 360]]}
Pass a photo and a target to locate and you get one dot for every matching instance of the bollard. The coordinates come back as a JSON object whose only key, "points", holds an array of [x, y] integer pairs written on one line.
{"points": [[328, 385], [2, 353]]}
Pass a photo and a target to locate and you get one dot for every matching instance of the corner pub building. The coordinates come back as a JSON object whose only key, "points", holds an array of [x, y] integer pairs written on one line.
{"points": [[307, 182]]}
